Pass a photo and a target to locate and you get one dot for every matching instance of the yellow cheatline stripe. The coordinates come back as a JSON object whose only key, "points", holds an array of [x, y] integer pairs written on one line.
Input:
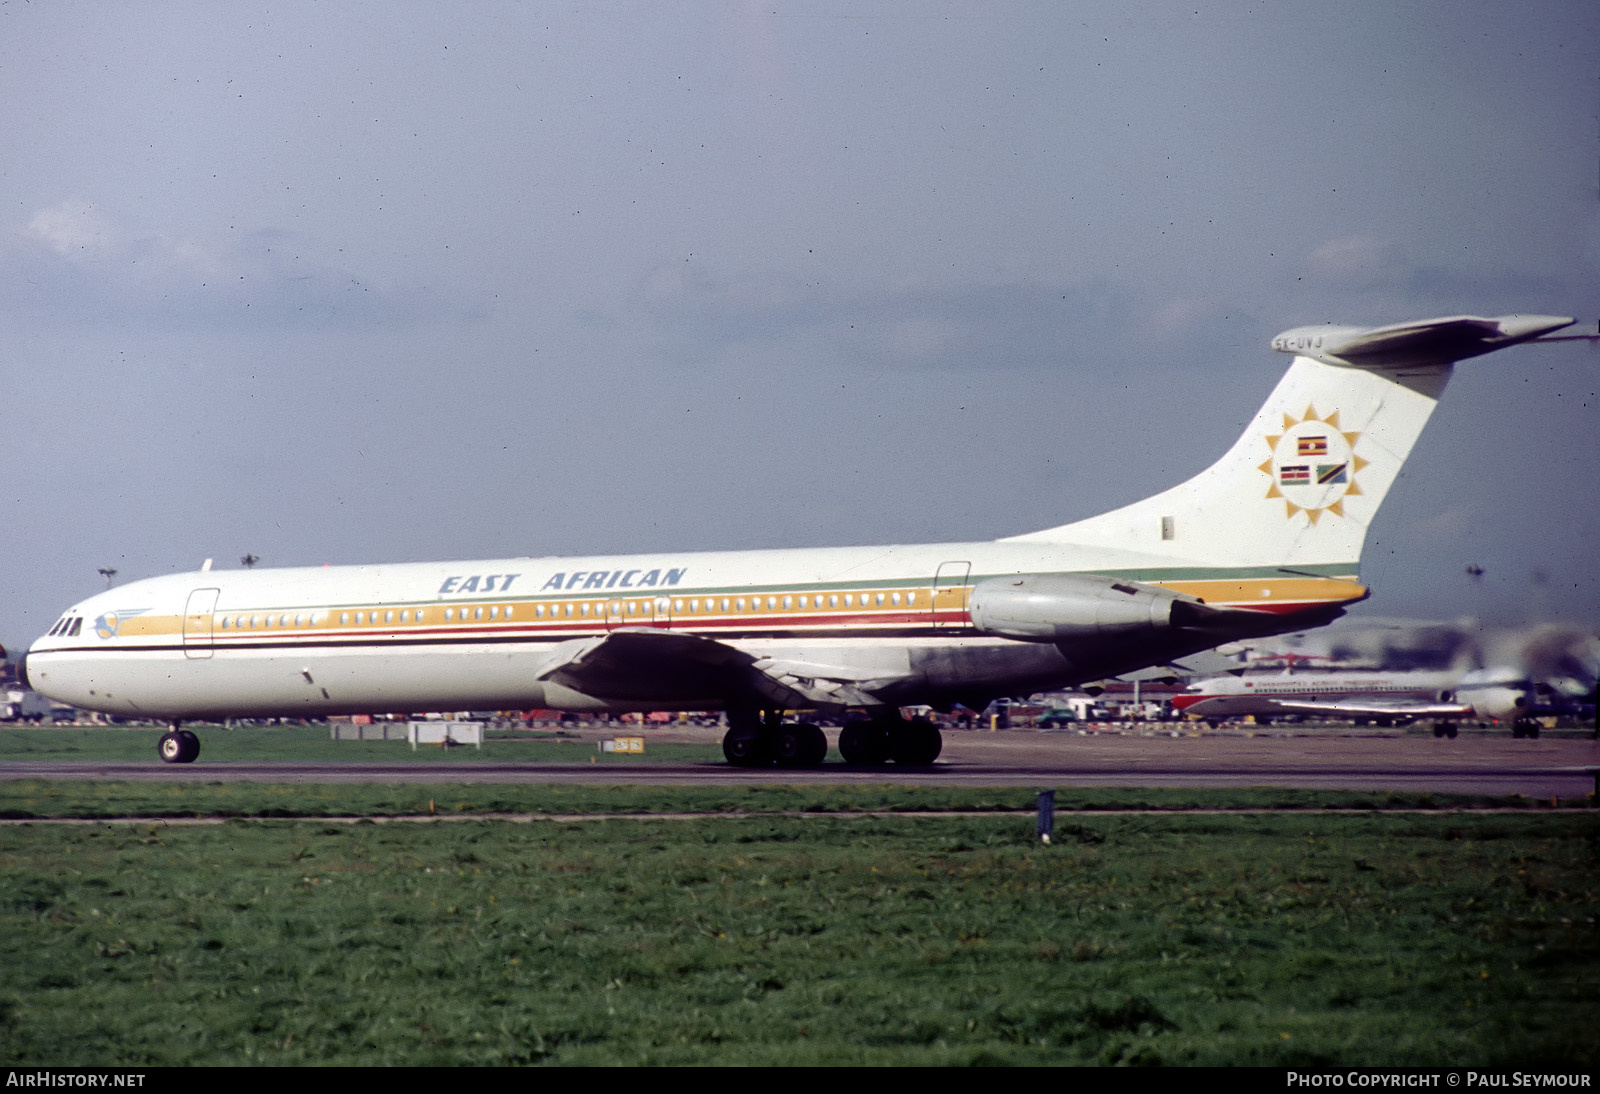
{"points": [[1269, 590], [578, 611]]}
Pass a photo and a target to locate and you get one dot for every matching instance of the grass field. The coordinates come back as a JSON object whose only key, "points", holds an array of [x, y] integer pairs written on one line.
{"points": [[313, 744], [1271, 939]]}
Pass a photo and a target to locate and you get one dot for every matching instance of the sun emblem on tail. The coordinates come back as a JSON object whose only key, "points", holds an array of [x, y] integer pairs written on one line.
{"points": [[1313, 465]]}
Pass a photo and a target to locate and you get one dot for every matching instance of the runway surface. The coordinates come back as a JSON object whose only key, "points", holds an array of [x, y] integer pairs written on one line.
{"points": [[1552, 767]]}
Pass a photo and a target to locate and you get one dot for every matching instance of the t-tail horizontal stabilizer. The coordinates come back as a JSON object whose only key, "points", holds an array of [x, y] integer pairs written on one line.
{"points": [[1421, 343], [1294, 496]]}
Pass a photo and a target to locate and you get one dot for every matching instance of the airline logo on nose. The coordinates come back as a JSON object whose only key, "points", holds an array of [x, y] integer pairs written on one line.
{"points": [[106, 625], [1313, 465]]}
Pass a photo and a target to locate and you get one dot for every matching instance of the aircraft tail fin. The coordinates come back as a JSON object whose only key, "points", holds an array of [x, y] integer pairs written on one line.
{"points": [[1299, 488]]}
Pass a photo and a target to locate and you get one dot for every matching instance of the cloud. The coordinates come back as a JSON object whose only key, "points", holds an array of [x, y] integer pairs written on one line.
{"points": [[75, 262], [961, 327], [1358, 261], [74, 230]]}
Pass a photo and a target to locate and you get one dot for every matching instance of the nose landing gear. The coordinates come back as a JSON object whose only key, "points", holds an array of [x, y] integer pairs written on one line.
{"points": [[180, 746]]}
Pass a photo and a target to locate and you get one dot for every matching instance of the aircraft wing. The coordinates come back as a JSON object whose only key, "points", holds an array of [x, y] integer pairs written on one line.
{"points": [[1397, 708], [639, 664], [1204, 663]]}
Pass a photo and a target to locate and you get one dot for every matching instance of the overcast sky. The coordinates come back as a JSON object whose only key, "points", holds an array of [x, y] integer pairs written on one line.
{"points": [[401, 281]]}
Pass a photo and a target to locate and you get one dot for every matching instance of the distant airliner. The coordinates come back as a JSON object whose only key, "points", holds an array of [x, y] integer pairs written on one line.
{"points": [[1266, 540], [1445, 696]]}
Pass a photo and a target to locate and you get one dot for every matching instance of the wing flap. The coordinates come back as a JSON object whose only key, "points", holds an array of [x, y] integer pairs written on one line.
{"points": [[637, 665]]}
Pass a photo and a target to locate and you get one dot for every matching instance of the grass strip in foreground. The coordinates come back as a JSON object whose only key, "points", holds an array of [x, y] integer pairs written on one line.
{"points": [[28, 799], [1270, 939]]}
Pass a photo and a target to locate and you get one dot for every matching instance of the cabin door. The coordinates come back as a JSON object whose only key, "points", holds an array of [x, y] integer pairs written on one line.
{"points": [[949, 608], [197, 623]]}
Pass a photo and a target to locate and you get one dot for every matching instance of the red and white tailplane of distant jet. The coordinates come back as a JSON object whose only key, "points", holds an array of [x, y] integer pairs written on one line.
{"points": [[1266, 540]]}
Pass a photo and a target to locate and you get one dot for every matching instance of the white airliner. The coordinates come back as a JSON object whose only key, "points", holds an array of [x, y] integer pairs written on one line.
{"points": [[1445, 696], [1266, 540]]}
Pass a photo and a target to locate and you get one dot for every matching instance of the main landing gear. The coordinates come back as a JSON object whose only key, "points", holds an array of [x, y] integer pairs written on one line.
{"points": [[179, 746], [876, 739], [762, 738]]}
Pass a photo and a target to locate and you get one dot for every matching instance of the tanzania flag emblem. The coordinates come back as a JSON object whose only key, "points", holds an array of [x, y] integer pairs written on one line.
{"points": [[1312, 446], [1330, 473], [1294, 475]]}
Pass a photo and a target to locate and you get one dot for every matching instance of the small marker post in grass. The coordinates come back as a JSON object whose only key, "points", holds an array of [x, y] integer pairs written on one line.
{"points": [[1047, 814]]}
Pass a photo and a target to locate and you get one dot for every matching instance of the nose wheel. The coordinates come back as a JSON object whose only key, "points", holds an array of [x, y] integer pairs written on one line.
{"points": [[178, 747]]}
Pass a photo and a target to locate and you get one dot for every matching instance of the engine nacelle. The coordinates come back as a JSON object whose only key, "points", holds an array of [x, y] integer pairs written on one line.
{"points": [[1498, 702], [1064, 607]]}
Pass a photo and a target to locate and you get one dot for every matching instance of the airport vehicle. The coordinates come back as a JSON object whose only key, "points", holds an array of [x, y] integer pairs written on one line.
{"points": [[19, 704], [1265, 541]]}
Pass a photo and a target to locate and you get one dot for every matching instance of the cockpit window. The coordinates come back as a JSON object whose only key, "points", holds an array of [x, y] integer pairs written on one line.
{"points": [[77, 625]]}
